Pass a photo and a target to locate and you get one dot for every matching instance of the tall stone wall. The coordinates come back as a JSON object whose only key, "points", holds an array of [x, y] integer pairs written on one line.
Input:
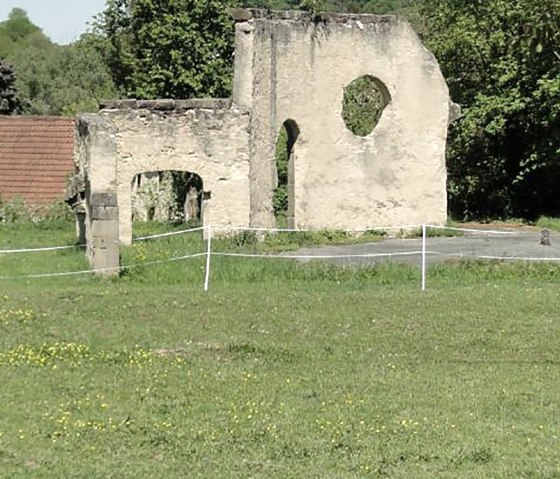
{"points": [[297, 70]]}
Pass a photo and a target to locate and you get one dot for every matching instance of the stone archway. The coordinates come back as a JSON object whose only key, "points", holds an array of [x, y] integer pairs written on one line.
{"points": [[134, 137]]}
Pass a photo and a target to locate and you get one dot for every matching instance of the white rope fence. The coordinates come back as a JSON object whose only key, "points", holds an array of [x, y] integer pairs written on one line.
{"points": [[473, 230], [317, 256], [171, 233], [423, 252], [39, 250], [116, 269]]}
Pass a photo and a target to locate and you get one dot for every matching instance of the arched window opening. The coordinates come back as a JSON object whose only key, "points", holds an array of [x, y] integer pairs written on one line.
{"points": [[283, 201]]}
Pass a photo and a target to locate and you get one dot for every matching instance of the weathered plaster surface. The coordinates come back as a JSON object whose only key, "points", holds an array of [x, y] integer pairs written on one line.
{"points": [[118, 144], [212, 143], [395, 175]]}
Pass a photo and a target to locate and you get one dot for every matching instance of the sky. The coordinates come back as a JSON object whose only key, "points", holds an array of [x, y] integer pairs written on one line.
{"points": [[63, 21]]}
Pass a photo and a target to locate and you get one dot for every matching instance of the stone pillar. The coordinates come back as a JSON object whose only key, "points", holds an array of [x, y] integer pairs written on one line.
{"points": [[243, 74], [103, 250], [102, 222], [255, 87]]}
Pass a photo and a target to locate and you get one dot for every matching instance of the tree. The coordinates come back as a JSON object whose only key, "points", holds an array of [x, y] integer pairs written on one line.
{"points": [[19, 32], [9, 100], [172, 48], [83, 79], [53, 79], [365, 6], [184, 48], [498, 58], [113, 38]]}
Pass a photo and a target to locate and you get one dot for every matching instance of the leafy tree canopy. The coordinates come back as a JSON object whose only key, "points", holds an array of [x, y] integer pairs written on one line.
{"points": [[184, 48], [19, 32], [172, 48], [499, 59], [9, 100], [53, 79]]}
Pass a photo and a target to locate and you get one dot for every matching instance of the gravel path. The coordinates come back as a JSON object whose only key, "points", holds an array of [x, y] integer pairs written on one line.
{"points": [[520, 244]]}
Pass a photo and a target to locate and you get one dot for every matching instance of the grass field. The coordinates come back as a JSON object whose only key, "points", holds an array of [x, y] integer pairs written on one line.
{"points": [[281, 370]]}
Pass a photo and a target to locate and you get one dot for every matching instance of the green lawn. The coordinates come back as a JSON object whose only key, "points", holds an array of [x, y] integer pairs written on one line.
{"points": [[281, 370]]}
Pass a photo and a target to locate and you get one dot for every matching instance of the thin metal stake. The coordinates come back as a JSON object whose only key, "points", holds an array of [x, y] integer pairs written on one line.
{"points": [[423, 257]]}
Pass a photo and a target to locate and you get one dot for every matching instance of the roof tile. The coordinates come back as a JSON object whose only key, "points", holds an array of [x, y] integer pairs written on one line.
{"points": [[36, 157]]}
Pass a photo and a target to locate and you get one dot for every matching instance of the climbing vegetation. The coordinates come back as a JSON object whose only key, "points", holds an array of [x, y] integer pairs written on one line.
{"points": [[280, 198]]}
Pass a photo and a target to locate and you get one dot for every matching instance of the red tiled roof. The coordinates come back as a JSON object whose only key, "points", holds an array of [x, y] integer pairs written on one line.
{"points": [[36, 157]]}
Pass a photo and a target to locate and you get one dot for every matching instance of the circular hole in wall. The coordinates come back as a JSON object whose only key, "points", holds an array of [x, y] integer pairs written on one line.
{"points": [[364, 100]]}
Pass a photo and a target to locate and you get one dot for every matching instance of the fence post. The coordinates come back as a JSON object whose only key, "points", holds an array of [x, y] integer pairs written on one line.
{"points": [[208, 255], [423, 257]]}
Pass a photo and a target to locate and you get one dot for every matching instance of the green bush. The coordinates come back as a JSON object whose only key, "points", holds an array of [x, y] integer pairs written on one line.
{"points": [[16, 210]]}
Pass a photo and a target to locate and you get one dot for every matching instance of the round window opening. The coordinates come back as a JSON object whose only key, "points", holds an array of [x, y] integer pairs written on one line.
{"points": [[363, 103]]}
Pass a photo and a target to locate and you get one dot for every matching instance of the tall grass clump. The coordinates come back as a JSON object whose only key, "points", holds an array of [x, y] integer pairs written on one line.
{"points": [[548, 222]]}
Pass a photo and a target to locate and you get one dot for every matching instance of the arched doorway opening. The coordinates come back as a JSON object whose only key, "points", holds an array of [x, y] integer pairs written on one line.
{"points": [[167, 196], [284, 194]]}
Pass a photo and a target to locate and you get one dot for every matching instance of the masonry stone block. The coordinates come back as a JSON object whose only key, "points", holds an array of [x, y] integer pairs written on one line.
{"points": [[105, 231], [103, 199], [104, 213]]}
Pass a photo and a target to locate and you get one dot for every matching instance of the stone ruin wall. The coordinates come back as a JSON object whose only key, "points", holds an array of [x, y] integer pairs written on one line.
{"points": [[294, 67], [207, 137], [289, 66], [213, 143]]}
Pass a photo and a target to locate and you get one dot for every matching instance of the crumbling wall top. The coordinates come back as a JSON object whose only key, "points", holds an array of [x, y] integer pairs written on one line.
{"points": [[169, 105], [247, 14]]}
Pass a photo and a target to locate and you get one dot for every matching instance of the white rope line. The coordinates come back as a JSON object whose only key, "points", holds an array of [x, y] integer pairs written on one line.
{"points": [[518, 258], [473, 230], [66, 273], [334, 256], [304, 230], [172, 233], [291, 230], [503, 258], [38, 250], [277, 256], [58, 248], [104, 270], [259, 229]]}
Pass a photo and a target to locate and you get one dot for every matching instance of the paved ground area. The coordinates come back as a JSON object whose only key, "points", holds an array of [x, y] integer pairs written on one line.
{"points": [[518, 244]]}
